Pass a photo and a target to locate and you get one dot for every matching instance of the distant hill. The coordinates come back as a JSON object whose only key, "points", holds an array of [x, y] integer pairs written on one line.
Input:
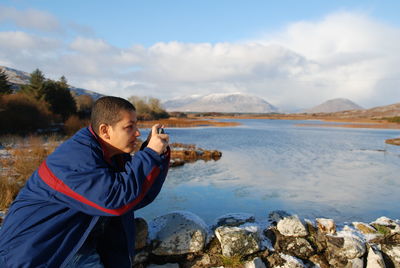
{"points": [[18, 78], [222, 103], [391, 110], [334, 105]]}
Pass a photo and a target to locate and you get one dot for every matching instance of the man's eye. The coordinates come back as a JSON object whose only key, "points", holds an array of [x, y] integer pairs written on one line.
{"points": [[129, 127]]}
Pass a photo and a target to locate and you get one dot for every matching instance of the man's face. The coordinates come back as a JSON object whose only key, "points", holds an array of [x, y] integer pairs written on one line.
{"points": [[124, 133]]}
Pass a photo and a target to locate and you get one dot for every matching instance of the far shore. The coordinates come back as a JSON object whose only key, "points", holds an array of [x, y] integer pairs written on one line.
{"points": [[185, 122]]}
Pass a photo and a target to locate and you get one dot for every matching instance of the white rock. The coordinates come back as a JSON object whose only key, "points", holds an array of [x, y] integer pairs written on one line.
{"points": [[326, 226], [375, 259], [393, 252], [256, 263], [167, 265], [355, 263], [277, 215], [177, 233], [292, 226], [391, 224], [239, 241], [291, 262], [353, 246]]}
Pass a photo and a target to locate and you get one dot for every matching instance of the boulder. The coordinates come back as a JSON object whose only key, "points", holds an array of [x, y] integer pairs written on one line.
{"points": [[355, 263], [292, 226], [275, 216], [141, 232], [364, 228], [284, 261], [393, 253], [294, 246], [326, 226], [177, 233], [256, 263], [343, 247], [239, 241], [386, 226], [319, 260], [375, 258], [234, 219]]}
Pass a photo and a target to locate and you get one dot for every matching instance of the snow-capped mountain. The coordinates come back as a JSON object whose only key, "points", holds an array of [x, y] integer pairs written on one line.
{"points": [[334, 105], [18, 78], [223, 103]]}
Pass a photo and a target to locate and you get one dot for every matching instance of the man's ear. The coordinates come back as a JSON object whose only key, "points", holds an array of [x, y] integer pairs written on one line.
{"points": [[104, 131]]}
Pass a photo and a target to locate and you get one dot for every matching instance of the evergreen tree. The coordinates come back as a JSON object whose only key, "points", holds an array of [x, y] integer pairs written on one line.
{"points": [[5, 87], [35, 86], [63, 82], [59, 98]]}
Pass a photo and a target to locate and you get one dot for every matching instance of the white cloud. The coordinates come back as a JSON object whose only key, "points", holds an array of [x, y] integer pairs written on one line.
{"points": [[342, 55], [30, 19]]}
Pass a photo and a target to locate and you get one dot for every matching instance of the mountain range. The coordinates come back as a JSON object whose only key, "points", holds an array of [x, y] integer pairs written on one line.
{"points": [[232, 102], [222, 103]]}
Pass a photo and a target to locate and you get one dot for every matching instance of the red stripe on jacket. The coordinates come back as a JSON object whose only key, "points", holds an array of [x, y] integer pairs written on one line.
{"points": [[55, 183]]}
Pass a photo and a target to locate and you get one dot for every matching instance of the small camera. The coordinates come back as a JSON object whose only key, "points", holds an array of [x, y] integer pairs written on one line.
{"points": [[160, 131]]}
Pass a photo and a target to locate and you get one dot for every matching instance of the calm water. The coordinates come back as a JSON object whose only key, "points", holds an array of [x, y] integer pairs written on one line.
{"points": [[344, 174]]}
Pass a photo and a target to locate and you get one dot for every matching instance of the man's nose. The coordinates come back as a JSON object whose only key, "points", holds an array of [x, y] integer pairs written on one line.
{"points": [[137, 133]]}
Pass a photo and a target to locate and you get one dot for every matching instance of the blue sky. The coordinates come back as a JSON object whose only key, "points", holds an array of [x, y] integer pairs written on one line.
{"points": [[291, 53]]}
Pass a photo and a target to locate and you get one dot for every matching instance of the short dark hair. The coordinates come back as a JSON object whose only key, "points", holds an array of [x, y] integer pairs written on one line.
{"points": [[107, 110]]}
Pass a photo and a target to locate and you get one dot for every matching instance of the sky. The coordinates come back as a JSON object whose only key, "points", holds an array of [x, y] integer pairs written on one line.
{"points": [[293, 54]]}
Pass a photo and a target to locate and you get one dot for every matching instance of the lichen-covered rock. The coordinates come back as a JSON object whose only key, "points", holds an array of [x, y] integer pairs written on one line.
{"points": [[275, 216], [292, 226], [326, 226], [234, 219], [393, 252], [386, 226], [295, 246], [319, 260], [355, 263], [343, 247], [256, 263], [280, 260], [364, 228], [375, 259], [141, 232], [239, 241], [177, 233]]}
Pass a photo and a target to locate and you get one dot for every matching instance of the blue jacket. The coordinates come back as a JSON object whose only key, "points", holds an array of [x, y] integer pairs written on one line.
{"points": [[64, 198]]}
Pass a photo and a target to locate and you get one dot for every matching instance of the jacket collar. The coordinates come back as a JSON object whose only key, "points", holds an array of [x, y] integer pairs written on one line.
{"points": [[106, 153]]}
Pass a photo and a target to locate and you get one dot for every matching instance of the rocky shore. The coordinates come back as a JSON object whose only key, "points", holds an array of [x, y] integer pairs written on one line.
{"points": [[182, 239]]}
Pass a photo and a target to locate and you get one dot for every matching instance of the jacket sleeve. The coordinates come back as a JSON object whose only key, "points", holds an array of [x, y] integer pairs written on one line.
{"points": [[156, 187], [99, 190]]}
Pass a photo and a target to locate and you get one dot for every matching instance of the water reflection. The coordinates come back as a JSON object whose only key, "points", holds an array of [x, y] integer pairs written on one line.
{"points": [[346, 174]]}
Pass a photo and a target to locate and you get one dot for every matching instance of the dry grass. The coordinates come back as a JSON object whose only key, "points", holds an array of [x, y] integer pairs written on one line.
{"points": [[73, 124], [24, 158]]}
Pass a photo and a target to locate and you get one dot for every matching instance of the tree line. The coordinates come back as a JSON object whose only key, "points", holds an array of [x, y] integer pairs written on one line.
{"points": [[48, 105]]}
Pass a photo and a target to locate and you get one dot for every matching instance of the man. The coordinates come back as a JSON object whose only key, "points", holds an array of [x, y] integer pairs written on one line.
{"points": [[77, 209]]}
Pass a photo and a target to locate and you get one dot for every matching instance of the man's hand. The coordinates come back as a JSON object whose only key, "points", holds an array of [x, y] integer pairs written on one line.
{"points": [[158, 142]]}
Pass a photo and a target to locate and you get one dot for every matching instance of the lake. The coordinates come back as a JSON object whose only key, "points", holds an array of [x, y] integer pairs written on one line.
{"points": [[346, 174]]}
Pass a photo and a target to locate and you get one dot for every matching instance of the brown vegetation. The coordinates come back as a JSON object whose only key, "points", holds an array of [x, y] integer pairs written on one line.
{"points": [[22, 114], [73, 124], [24, 158], [393, 141]]}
